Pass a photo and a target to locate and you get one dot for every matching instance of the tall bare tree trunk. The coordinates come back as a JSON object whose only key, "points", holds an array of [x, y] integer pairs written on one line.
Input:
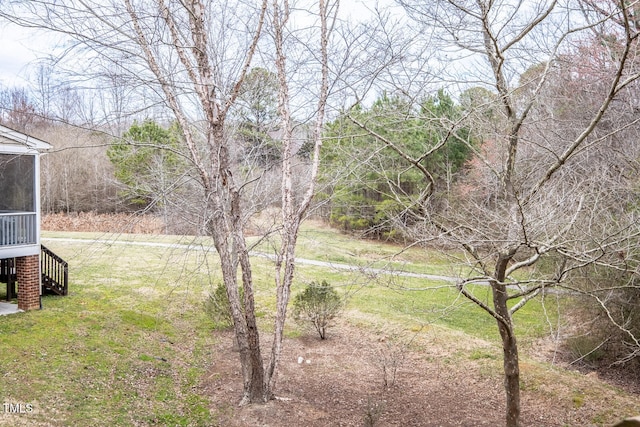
{"points": [[292, 212], [226, 228], [509, 343]]}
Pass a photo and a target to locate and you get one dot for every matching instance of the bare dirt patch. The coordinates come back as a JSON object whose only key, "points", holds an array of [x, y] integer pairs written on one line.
{"points": [[342, 385]]}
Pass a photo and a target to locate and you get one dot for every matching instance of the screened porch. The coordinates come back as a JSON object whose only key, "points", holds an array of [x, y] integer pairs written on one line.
{"points": [[18, 217]]}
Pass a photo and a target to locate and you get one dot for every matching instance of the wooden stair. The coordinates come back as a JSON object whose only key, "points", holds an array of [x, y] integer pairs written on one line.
{"points": [[54, 271]]}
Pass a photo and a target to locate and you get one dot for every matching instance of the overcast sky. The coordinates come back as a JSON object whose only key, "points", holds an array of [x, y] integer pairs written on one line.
{"points": [[20, 48], [15, 53]]}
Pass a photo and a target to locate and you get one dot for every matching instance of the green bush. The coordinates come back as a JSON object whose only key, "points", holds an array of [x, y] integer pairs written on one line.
{"points": [[317, 305], [217, 307], [586, 348]]}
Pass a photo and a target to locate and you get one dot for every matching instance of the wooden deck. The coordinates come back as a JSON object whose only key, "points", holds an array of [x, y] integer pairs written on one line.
{"points": [[54, 274]]}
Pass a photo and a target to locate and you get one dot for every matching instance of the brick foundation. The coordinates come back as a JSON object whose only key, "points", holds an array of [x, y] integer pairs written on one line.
{"points": [[28, 278]]}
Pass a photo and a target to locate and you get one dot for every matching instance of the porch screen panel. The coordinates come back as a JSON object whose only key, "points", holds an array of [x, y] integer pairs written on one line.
{"points": [[17, 178]]}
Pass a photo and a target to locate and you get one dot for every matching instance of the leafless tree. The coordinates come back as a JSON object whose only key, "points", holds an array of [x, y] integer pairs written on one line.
{"points": [[293, 211], [77, 175], [539, 207], [188, 60], [17, 109]]}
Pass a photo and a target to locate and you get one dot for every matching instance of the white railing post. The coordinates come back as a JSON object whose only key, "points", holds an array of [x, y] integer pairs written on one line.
{"points": [[18, 228]]}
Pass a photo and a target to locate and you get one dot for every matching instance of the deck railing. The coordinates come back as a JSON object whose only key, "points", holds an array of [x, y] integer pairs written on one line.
{"points": [[55, 272], [18, 228]]}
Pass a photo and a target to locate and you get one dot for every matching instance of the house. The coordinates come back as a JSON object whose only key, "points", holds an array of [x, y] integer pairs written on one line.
{"points": [[20, 248]]}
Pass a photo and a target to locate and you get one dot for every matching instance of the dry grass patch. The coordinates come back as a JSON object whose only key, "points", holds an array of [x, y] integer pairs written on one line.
{"points": [[104, 223]]}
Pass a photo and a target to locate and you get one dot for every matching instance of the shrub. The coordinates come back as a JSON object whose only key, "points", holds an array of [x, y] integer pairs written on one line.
{"points": [[217, 307], [372, 412], [318, 304], [586, 348], [597, 342]]}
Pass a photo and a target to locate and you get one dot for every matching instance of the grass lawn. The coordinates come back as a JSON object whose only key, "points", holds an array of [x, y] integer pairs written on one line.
{"points": [[131, 343]]}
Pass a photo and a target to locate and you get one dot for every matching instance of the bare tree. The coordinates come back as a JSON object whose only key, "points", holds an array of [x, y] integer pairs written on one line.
{"points": [[293, 211], [191, 58], [17, 109], [541, 210], [77, 175]]}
